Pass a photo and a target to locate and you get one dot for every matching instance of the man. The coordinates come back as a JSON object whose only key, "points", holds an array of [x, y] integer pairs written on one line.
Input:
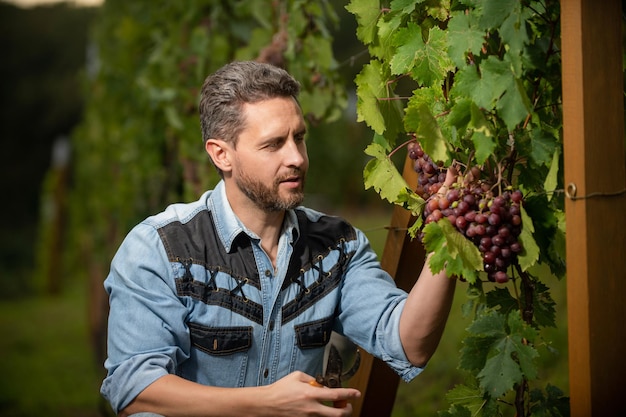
{"points": [[223, 307]]}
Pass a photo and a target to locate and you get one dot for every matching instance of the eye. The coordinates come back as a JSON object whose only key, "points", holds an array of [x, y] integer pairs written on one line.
{"points": [[300, 137]]}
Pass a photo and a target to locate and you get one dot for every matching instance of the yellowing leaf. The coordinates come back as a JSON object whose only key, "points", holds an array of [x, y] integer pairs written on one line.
{"points": [[553, 175], [381, 174], [530, 252]]}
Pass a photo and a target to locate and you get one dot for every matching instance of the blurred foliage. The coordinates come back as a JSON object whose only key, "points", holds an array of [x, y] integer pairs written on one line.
{"points": [[139, 146], [43, 52]]}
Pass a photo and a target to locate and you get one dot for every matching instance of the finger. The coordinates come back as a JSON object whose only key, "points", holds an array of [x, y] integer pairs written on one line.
{"points": [[451, 175]]}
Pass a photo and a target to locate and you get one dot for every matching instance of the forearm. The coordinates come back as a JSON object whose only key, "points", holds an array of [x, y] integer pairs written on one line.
{"points": [[425, 314], [172, 396]]}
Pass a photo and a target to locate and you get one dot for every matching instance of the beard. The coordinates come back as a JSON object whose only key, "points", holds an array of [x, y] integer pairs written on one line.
{"points": [[267, 197]]}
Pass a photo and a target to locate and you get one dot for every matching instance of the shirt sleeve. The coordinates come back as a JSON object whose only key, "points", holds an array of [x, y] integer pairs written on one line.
{"points": [[147, 335], [370, 309]]}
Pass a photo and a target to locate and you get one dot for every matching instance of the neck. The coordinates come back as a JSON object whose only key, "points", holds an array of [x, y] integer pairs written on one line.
{"points": [[266, 225]]}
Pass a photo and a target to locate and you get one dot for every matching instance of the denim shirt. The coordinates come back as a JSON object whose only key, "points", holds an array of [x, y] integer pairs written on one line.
{"points": [[192, 293]]}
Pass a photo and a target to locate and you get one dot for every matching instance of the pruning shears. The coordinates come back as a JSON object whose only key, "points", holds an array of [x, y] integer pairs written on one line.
{"points": [[334, 375]]}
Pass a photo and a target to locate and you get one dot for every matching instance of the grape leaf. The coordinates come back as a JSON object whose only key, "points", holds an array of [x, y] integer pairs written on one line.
{"points": [[513, 30], [543, 305], [501, 372], [452, 251], [530, 253], [513, 105], [456, 411], [369, 84], [427, 62], [469, 397], [404, 6], [502, 299], [381, 174], [387, 28], [521, 334], [543, 146], [366, 13], [463, 36], [488, 324], [468, 83], [552, 178], [474, 352], [376, 104], [419, 119], [460, 114], [482, 138], [495, 12], [495, 87]]}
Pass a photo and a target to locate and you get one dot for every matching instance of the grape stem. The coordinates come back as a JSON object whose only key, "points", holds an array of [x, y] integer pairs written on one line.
{"points": [[400, 147]]}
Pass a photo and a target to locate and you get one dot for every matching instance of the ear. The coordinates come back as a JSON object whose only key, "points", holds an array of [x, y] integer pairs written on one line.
{"points": [[220, 152]]}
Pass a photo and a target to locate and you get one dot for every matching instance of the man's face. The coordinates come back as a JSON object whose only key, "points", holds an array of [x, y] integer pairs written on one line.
{"points": [[271, 157]]}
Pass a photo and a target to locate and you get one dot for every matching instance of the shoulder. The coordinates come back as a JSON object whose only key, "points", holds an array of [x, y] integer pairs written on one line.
{"points": [[313, 222], [179, 213]]}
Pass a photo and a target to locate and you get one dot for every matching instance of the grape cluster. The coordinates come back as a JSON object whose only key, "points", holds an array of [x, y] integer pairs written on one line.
{"points": [[430, 176], [492, 222]]}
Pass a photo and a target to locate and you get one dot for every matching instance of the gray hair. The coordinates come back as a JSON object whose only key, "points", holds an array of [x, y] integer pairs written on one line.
{"points": [[226, 91]]}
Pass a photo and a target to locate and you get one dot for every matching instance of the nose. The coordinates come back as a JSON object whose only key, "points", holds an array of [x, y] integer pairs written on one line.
{"points": [[295, 153]]}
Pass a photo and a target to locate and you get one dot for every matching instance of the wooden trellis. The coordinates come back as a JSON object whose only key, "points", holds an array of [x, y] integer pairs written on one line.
{"points": [[595, 178]]}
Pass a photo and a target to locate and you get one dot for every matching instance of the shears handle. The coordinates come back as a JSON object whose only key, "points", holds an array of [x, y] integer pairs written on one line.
{"points": [[336, 404]]}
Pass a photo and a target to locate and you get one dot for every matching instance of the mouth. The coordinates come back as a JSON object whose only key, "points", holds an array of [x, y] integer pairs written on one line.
{"points": [[293, 181]]}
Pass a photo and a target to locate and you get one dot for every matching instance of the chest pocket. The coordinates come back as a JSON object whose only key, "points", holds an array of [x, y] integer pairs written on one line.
{"points": [[314, 334], [220, 341]]}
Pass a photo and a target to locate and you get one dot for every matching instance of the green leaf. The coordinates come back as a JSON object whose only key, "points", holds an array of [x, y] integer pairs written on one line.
{"points": [[495, 12], [501, 299], [388, 26], [501, 372], [369, 85], [427, 62], [463, 36], [521, 336], [495, 88], [474, 352], [366, 13], [469, 397], [552, 179], [404, 6], [381, 174], [530, 253], [452, 251], [420, 120], [456, 410], [513, 30], [376, 104], [489, 324], [543, 146], [513, 105], [544, 312], [482, 138], [460, 114]]}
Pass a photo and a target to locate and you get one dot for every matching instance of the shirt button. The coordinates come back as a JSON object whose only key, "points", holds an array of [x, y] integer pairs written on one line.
{"points": [[266, 373], [268, 273], [272, 326]]}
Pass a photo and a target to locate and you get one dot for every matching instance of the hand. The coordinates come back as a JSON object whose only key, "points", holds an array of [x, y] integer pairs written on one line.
{"points": [[451, 176], [296, 395]]}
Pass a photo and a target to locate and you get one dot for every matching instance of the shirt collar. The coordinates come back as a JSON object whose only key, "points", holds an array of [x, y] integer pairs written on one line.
{"points": [[228, 225]]}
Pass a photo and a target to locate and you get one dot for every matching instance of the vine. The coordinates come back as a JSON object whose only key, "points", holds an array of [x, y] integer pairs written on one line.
{"points": [[476, 85]]}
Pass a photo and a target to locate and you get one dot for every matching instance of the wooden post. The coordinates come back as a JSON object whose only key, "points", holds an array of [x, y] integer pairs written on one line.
{"points": [[403, 258], [593, 118]]}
